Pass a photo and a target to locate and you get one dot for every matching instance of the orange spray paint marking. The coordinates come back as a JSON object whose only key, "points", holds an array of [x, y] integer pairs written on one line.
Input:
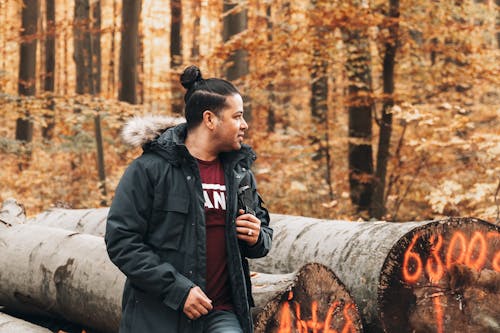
{"points": [[438, 311], [313, 323], [349, 325], [493, 234], [412, 256], [478, 239], [496, 262], [457, 239], [435, 274], [301, 324], [329, 316], [285, 319]]}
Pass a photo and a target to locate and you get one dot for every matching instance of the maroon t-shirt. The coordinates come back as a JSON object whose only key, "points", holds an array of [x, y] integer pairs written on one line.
{"points": [[214, 192]]}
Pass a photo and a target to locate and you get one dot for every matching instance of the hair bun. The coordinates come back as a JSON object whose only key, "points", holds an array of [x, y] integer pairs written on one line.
{"points": [[190, 76]]}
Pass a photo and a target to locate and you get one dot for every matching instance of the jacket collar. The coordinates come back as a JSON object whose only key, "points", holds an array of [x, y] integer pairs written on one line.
{"points": [[170, 145]]}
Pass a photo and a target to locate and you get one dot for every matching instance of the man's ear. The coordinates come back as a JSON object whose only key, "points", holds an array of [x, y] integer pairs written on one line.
{"points": [[209, 119]]}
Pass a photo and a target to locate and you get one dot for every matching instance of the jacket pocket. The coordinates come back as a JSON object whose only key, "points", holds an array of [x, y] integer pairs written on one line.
{"points": [[151, 315], [169, 218]]}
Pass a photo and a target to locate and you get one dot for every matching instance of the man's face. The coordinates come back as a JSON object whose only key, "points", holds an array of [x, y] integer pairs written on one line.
{"points": [[231, 125]]}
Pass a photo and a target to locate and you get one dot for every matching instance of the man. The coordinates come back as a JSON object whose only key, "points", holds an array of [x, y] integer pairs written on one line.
{"points": [[185, 217]]}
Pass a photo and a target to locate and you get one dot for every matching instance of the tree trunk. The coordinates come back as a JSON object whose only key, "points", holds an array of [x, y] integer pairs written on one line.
{"points": [[27, 65], [309, 300], [9, 324], [129, 51], [50, 68], [88, 221], [391, 46], [82, 47], [95, 89], [318, 102], [11, 213], [497, 23], [271, 109], [60, 273], [65, 51], [71, 274], [392, 268], [234, 23], [111, 63], [360, 106], [237, 65], [195, 46], [96, 46], [177, 90]]}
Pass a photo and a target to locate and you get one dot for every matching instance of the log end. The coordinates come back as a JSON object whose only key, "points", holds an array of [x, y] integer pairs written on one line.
{"points": [[443, 277], [316, 300]]}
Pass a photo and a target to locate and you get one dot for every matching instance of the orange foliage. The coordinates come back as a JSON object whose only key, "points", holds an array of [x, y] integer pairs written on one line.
{"points": [[445, 144]]}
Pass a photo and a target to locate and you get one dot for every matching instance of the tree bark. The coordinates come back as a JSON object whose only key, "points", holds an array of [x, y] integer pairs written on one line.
{"points": [[235, 23], [69, 277], [89, 221], [111, 63], [271, 109], [497, 22], [10, 324], [11, 213], [82, 47], [388, 266], [177, 90], [360, 105], [129, 51], [96, 46], [378, 201], [391, 269], [60, 273], [50, 68], [319, 102], [27, 65]]}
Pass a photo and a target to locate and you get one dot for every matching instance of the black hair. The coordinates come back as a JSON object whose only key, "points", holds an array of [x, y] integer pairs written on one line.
{"points": [[203, 94]]}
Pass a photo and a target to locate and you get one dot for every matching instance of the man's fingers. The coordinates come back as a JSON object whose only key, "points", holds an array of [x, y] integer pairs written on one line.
{"points": [[197, 303], [206, 303]]}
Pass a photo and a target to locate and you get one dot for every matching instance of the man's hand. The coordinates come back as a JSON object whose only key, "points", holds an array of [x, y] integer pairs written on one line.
{"points": [[197, 304], [247, 228]]}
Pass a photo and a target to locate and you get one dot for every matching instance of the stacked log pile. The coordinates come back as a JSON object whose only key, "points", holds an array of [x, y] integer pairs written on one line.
{"points": [[59, 273], [434, 276]]}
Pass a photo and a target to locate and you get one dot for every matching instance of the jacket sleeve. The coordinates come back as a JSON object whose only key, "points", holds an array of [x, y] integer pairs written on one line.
{"points": [[126, 228], [263, 245]]}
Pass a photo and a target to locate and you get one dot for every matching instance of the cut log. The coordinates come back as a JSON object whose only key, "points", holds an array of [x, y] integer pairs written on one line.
{"points": [[391, 269], [49, 271], [90, 221], [394, 270], [310, 300], [63, 274], [11, 212], [9, 324]]}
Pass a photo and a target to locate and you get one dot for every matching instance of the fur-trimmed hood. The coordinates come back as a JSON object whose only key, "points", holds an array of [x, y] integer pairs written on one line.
{"points": [[141, 130], [165, 136]]}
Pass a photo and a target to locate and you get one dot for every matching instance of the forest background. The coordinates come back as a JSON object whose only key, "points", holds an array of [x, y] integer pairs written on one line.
{"points": [[357, 109]]}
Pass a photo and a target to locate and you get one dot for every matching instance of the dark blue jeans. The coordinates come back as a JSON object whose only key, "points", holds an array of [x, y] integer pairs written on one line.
{"points": [[221, 322]]}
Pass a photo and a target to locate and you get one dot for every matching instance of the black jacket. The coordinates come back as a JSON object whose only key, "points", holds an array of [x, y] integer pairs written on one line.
{"points": [[155, 235]]}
